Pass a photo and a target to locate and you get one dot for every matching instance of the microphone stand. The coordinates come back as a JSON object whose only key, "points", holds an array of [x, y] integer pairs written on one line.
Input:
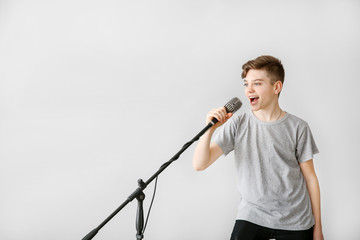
{"points": [[139, 194]]}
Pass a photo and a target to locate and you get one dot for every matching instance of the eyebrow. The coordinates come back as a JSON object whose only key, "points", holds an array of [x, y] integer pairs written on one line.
{"points": [[256, 80]]}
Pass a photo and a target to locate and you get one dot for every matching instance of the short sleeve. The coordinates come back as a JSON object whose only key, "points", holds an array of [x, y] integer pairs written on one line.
{"points": [[306, 147], [225, 137]]}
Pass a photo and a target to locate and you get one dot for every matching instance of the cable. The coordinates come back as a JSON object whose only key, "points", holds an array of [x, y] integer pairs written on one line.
{"points": [[152, 201], [166, 164]]}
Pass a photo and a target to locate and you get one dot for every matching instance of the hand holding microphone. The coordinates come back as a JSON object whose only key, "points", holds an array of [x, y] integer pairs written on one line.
{"points": [[219, 116]]}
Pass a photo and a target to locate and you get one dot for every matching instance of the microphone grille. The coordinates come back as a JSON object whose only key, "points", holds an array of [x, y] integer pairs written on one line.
{"points": [[233, 105]]}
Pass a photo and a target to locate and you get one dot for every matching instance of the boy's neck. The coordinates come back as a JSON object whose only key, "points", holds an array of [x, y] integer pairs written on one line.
{"points": [[269, 114]]}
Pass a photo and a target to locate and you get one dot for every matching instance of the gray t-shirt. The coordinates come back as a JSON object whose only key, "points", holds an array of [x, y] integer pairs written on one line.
{"points": [[272, 188]]}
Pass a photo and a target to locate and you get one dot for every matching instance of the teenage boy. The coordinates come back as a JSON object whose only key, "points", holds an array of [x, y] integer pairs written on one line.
{"points": [[273, 150]]}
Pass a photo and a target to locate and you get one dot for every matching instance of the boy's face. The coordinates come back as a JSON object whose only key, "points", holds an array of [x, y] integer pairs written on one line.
{"points": [[259, 90]]}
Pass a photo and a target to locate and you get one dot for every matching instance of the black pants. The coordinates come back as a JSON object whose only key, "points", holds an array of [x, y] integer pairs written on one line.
{"points": [[244, 230]]}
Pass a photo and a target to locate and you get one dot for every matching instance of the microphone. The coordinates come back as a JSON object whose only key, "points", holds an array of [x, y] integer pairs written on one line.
{"points": [[231, 106]]}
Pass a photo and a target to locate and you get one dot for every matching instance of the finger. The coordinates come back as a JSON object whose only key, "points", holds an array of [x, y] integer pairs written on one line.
{"points": [[216, 115], [229, 115], [219, 113], [223, 113]]}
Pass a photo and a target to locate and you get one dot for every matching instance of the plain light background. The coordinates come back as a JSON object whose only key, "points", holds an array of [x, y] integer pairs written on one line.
{"points": [[96, 94]]}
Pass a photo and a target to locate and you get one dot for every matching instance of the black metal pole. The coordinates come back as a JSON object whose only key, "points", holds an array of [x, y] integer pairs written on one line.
{"points": [[139, 191]]}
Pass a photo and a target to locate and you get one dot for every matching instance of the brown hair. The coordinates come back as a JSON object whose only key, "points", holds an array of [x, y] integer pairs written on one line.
{"points": [[270, 64]]}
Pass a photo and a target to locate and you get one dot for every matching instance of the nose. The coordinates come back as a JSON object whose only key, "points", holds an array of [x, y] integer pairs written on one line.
{"points": [[249, 88]]}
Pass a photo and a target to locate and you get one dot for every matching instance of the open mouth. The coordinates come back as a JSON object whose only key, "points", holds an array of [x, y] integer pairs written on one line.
{"points": [[254, 100]]}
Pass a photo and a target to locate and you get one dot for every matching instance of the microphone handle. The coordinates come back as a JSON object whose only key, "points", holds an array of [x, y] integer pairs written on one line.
{"points": [[213, 121]]}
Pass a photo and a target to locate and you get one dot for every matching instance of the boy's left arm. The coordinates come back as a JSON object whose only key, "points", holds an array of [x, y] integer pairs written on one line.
{"points": [[312, 183]]}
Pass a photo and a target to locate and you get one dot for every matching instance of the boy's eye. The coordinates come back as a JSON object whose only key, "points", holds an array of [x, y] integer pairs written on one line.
{"points": [[245, 84]]}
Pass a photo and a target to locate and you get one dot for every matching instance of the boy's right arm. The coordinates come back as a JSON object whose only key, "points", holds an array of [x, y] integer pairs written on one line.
{"points": [[207, 152]]}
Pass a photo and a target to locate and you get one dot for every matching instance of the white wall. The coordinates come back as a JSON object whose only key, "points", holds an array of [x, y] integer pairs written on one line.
{"points": [[96, 94]]}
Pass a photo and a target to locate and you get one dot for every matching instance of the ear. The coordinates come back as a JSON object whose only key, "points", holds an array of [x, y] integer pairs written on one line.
{"points": [[277, 87]]}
